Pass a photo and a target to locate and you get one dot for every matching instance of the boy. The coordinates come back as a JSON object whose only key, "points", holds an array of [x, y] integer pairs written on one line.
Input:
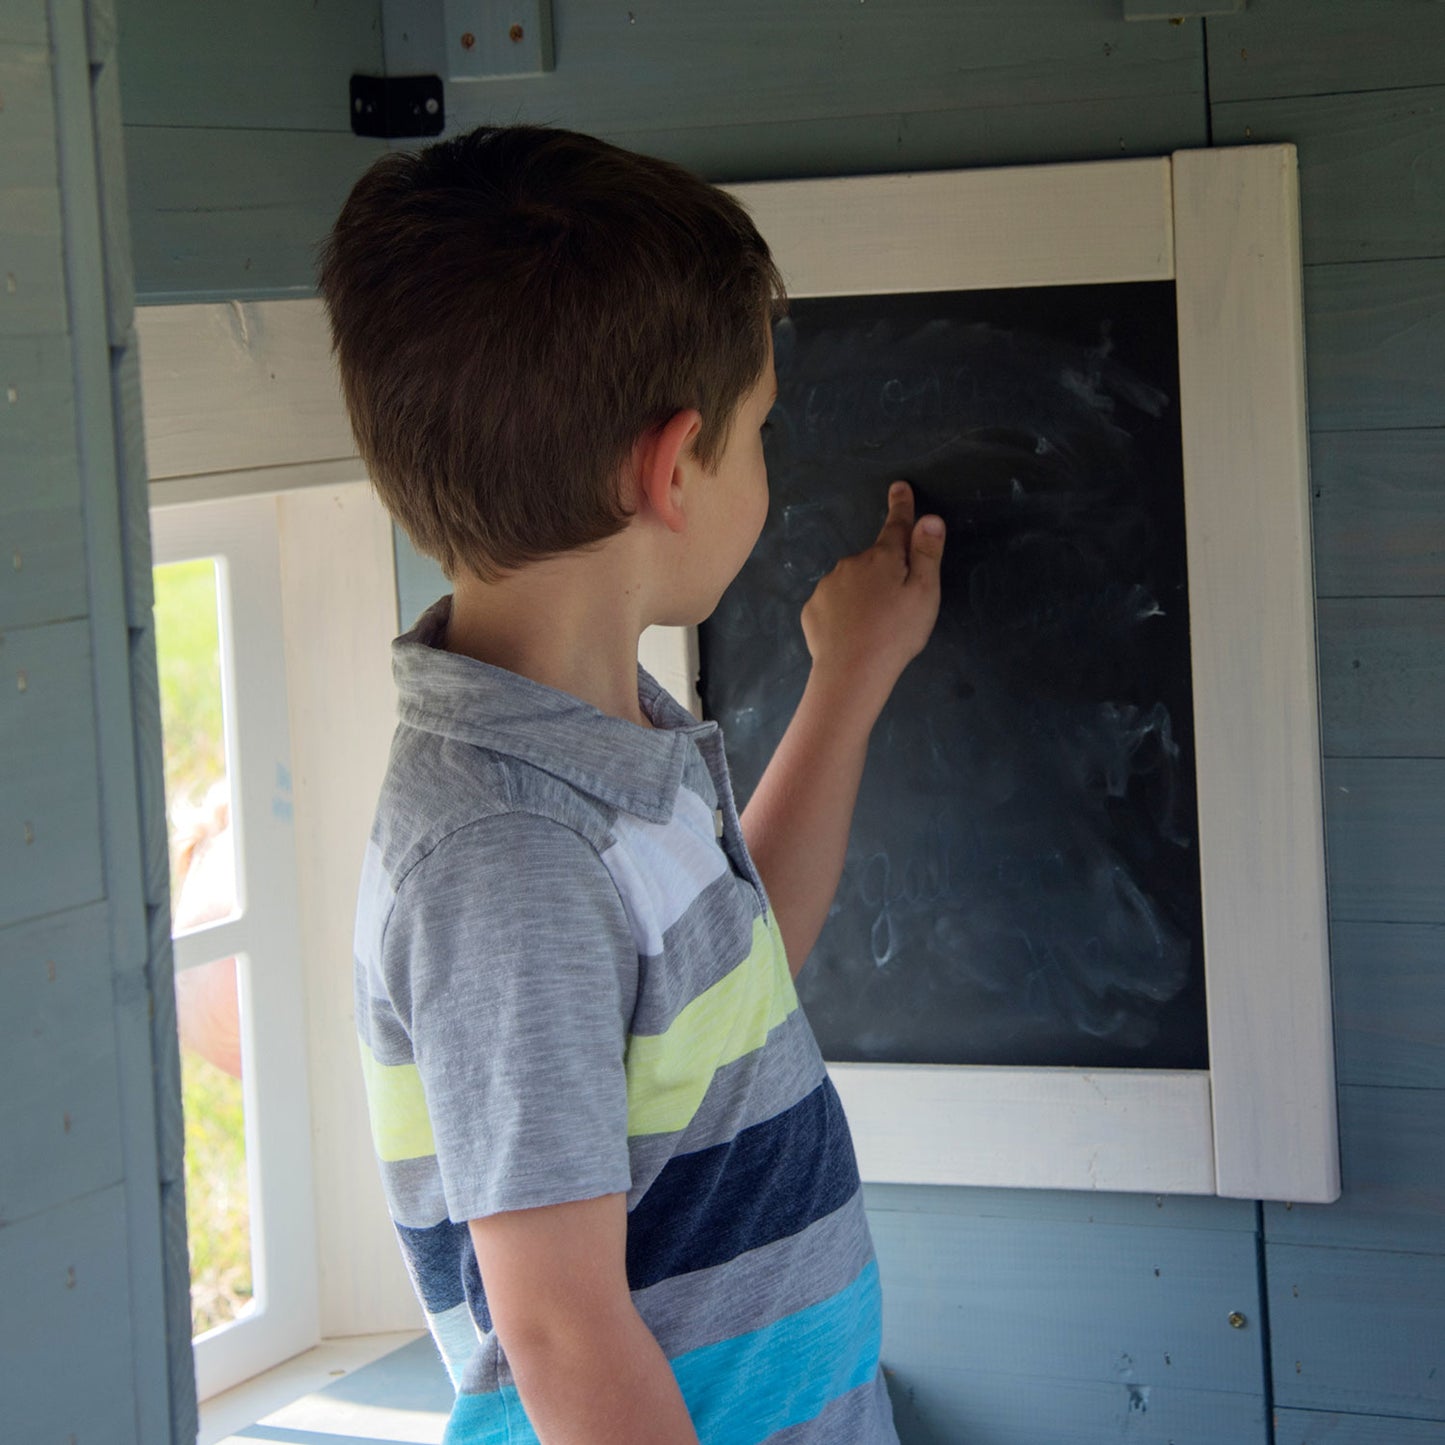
{"points": [[622, 1182]]}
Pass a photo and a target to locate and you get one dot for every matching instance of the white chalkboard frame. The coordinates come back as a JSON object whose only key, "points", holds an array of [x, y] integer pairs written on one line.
{"points": [[1223, 224]]}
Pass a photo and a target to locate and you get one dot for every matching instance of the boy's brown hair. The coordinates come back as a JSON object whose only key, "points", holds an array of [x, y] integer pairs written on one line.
{"points": [[511, 309]]}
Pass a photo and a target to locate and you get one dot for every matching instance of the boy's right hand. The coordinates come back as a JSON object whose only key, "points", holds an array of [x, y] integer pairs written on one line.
{"points": [[865, 622], [874, 612]]}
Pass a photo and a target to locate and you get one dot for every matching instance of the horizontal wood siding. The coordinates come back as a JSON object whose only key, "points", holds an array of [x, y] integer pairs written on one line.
{"points": [[262, 65], [1320, 47], [646, 68], [1015, 1316], [1385, 838], [1379, 513], [911, 140], [238, 140], [1389, 1027], [1357, 1306], [58, 1108], [1358, 1330], [1383, 664], [50, 851], [1320, 1427], [1375, 333], [1394, 1165], [258, 238], [44, 580], [1372, 168], [69, 1266], [82, 1272]]}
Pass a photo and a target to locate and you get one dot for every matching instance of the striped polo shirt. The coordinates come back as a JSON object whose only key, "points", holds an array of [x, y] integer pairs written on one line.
{"points": [[569, 984]]}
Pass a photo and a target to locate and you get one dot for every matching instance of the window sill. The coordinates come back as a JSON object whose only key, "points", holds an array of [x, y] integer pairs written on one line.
{"points": [[367, 1388]]}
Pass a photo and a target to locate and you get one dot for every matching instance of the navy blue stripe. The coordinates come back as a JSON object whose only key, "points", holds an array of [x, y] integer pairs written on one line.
{"points": [[769, 1182], [443, 1267]]}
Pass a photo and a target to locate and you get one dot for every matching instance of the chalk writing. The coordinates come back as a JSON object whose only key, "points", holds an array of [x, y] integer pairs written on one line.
{"points": [[1021, 885]]}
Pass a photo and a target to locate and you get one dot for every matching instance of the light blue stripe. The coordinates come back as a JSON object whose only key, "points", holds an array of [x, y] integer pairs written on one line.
{"points": [[483, 1420], [744, 1389], [739, 1391], [456, 1338]]}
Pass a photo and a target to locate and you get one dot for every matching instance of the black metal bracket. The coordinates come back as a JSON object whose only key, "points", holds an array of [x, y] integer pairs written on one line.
{"points": [[394, 107]]}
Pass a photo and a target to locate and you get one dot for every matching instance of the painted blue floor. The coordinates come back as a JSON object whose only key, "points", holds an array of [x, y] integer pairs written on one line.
{"points": [[401, 1399]]}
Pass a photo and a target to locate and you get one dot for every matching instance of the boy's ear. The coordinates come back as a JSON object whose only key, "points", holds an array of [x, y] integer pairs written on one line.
{"points": [[660, 459]]}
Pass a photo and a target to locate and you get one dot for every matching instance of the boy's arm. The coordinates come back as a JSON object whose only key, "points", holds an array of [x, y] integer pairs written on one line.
{"points": [[866, 621], [588, 1369]]}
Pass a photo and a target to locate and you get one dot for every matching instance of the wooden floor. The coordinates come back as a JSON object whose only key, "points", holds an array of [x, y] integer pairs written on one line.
{"points": [[401, 1397]]}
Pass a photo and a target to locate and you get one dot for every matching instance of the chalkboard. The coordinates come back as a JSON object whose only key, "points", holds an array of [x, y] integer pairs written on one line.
{"points": [[1022, 881]]}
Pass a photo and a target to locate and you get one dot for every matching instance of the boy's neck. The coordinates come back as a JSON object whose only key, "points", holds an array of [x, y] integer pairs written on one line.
{"points": [[570, 622]]}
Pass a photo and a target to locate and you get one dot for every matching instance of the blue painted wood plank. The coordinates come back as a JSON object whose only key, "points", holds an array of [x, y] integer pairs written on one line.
{"points": [[42, 542], [1357, 1331], [268, 64], [1056, 1206], [621, 68], [1382, 686], [50, 854], [159, 1386], [1392, 1161], [101, 27], [1073, 130], [22, 22], [64, 1280], [1315, 47], [38, 416], [1385, 839], [184, 1408], [419, 580], [150, 771], [115, 223], [1375, 345], [1318, 1427], [27, 124], [42, 551], [59, 1117], [217, 214], [1372, 168], [32, 292], [165, 1048], [1389, 994], [1105, 1304], [960, 1406], [1379, 513], [134, 492]]}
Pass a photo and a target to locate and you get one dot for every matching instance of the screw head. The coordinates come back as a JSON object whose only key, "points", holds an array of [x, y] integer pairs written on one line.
{"points": [[1237, 1320], [468, 40], [516, 34]]}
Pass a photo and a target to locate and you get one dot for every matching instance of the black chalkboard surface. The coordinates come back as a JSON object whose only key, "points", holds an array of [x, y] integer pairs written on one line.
{"points": [[1022, 882]]}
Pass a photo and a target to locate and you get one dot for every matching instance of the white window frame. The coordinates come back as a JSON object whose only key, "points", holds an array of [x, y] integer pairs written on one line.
{"points": [[240, 399], [241, 534], [1224, 226]]}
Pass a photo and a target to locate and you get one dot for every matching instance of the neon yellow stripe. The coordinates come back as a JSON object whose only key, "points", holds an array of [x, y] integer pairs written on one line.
{"points": [[668, 1073], [400, 1125]]}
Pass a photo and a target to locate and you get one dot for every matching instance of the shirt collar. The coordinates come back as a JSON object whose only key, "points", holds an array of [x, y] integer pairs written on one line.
{"points": [[635, 769]]}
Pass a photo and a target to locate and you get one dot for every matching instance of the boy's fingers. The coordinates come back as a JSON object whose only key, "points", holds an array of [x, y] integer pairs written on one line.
{"points": [[926, 551], [899, 522]]}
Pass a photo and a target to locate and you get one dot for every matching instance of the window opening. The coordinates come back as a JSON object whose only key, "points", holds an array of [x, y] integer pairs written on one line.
{"points": [[204, 893]]}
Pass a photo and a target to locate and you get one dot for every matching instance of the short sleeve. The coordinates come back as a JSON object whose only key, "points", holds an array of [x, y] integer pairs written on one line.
{"points": [[512, 966]]}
